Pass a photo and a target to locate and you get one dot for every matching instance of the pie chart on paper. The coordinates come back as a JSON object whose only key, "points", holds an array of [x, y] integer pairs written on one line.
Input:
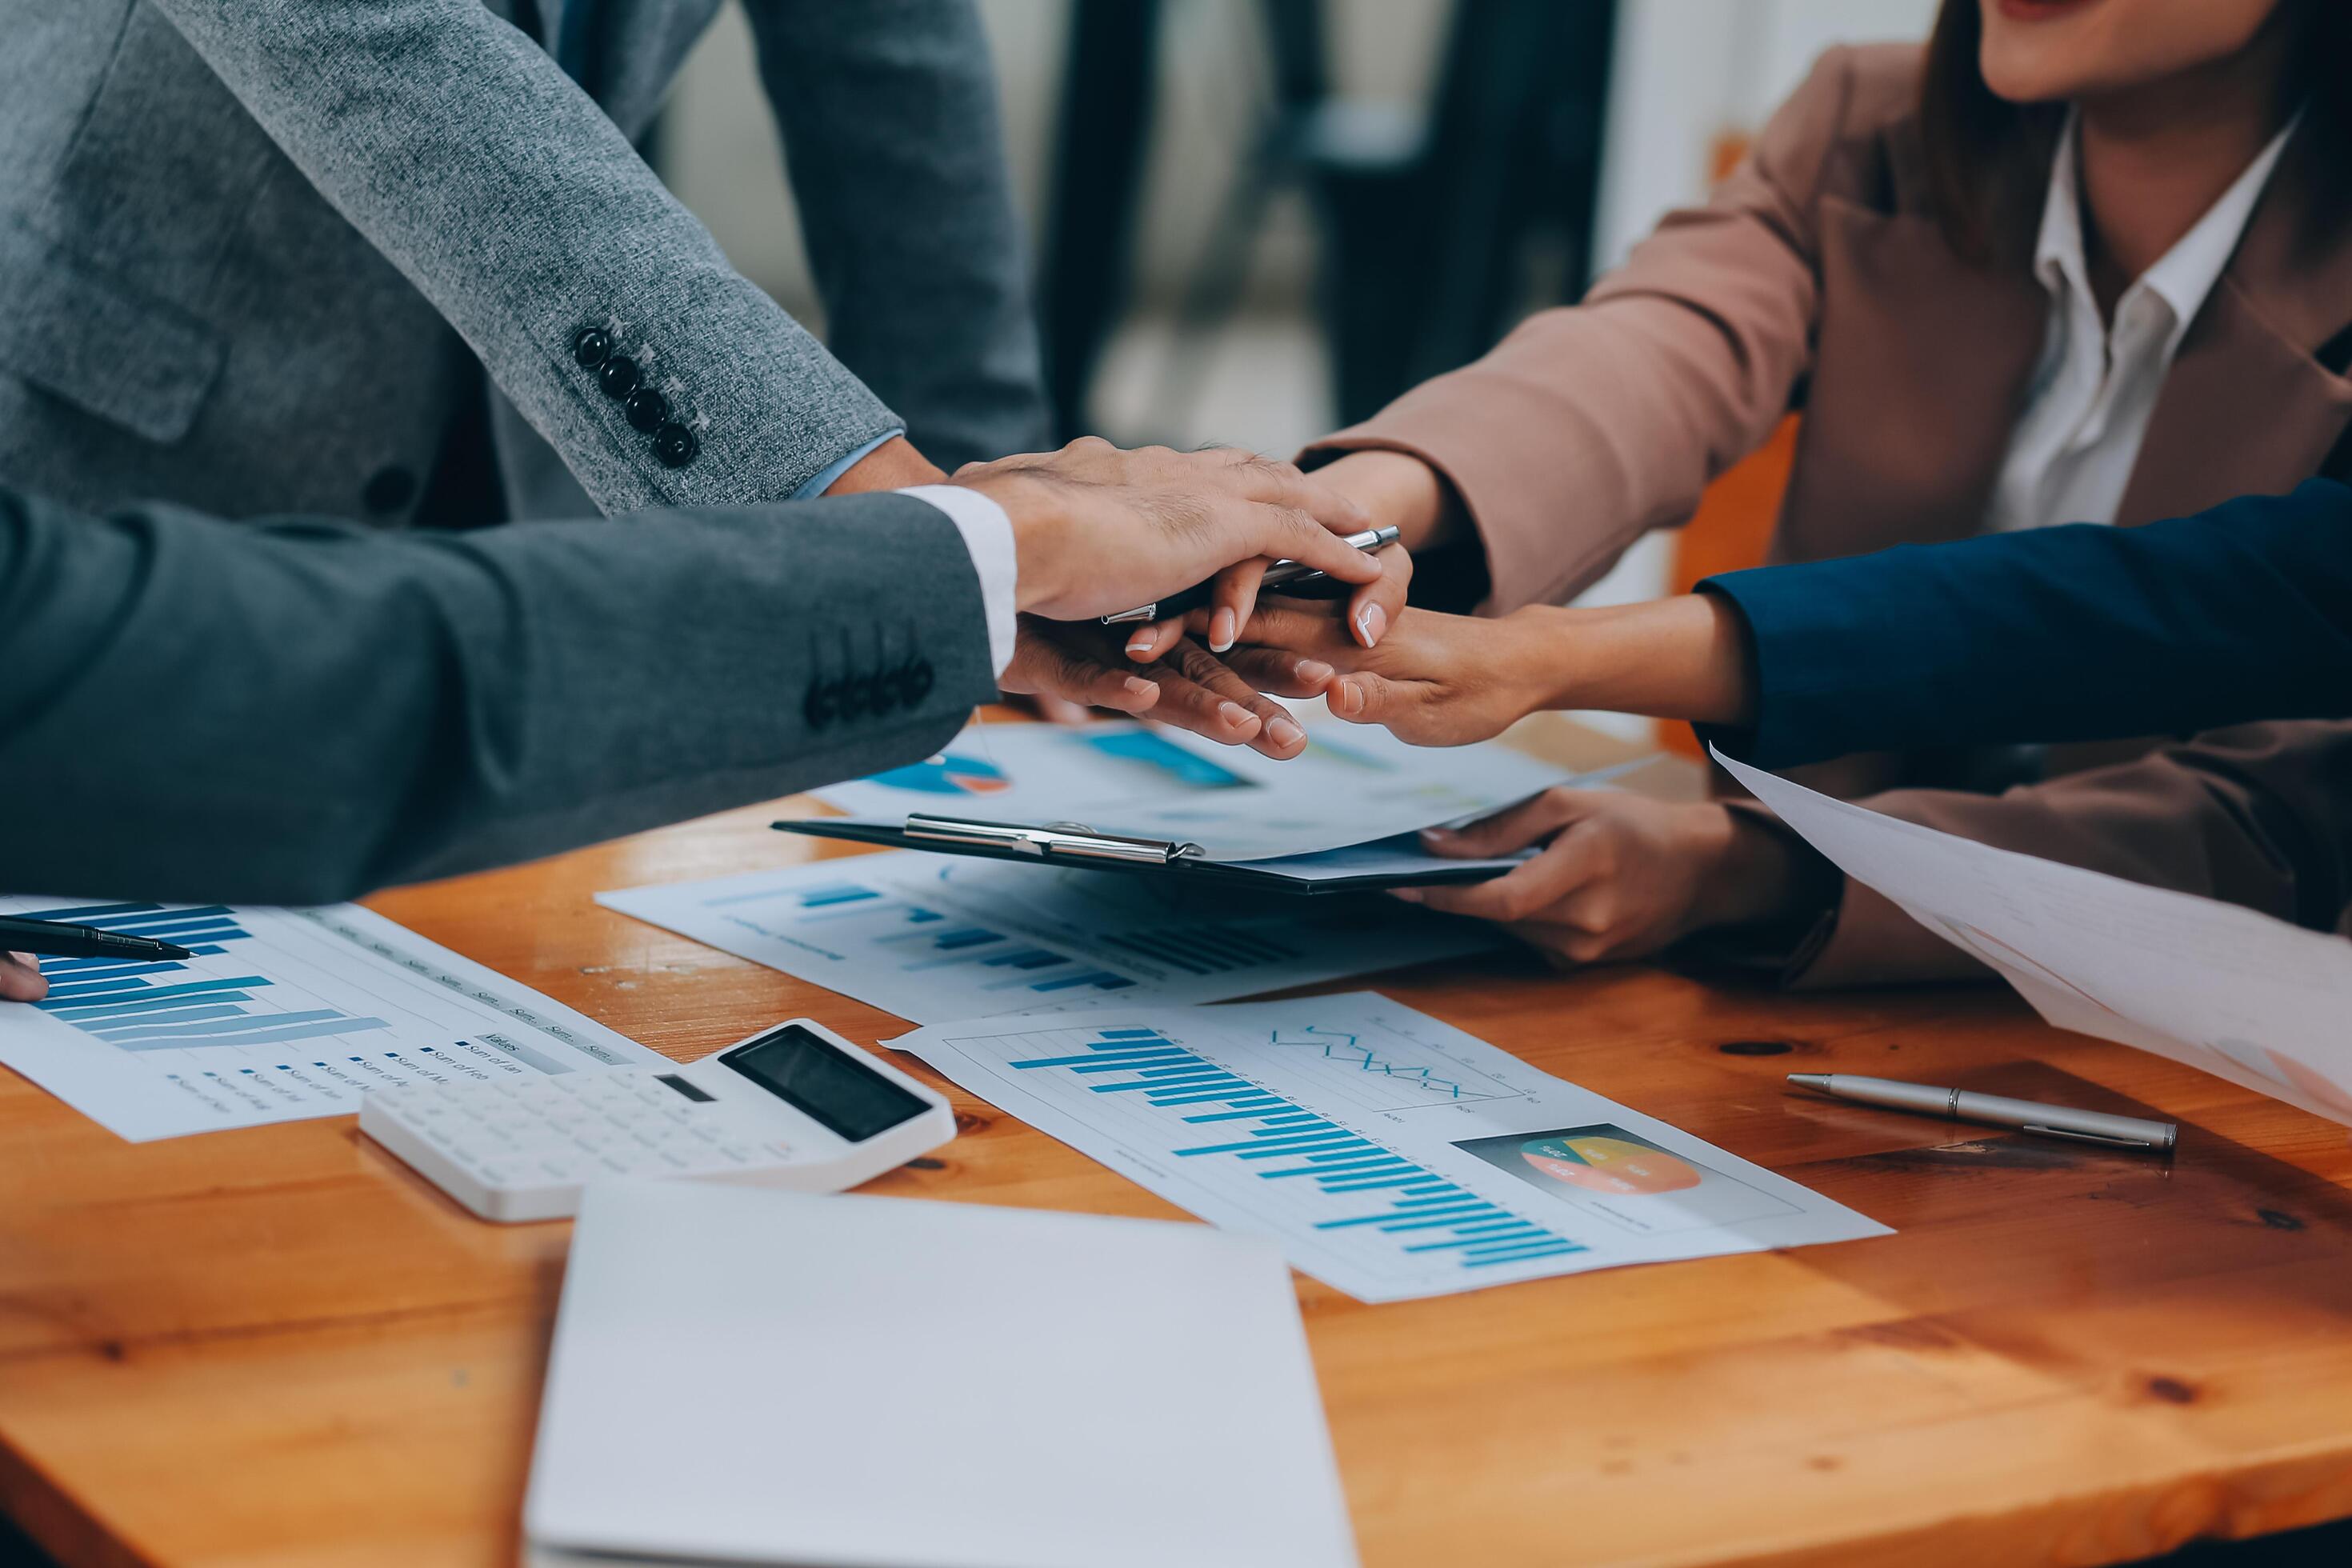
{"points": [[1599, 1163], [950, 773]]}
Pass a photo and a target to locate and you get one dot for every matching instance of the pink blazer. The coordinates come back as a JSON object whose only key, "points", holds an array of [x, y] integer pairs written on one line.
{"points": [[1818, 279]]}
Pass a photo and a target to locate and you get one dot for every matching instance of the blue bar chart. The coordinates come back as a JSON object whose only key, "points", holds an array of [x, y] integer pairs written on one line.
{"points": [[153, 1006], [919, 941], [931, 937], [1369, 1188], [275, 1015], [1388, 1154]]}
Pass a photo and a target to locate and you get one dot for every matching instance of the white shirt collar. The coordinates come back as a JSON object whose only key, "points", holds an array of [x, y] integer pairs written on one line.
{"points": [[2185, 274]]}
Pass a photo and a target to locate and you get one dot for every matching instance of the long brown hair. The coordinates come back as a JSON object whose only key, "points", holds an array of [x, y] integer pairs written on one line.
{"points": [[1988, 159]]}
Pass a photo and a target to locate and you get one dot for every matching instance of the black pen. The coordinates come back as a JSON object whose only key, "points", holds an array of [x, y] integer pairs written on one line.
{"points": [[53, 940], [1291, 576]]}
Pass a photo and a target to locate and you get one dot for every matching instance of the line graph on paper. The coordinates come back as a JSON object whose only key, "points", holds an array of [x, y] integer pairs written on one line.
{"points": [[1393, 1075]]}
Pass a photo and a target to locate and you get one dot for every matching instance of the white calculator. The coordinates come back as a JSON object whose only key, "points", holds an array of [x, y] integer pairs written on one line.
{"points": [[794, 1106]]}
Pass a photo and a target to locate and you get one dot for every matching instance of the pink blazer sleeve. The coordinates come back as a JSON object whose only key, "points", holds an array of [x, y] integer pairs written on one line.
{"points": [[1591, 424]]}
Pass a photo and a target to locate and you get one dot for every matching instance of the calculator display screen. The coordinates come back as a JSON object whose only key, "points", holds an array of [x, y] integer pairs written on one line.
{"points": [[819, 1080]]}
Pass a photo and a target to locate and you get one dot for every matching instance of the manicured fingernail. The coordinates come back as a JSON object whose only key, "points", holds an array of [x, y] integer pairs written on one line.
{"points": [[1410, 895], [1236, 714], [1439, 834], [1314, 672], [1138, 687], [1285, 732], [1140, 646], [1372, 623], [1222, 630], [1350, 700]]}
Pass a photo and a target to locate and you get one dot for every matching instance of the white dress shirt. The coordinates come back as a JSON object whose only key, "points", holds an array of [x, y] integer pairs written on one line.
{"points": [[2072, 452], [988, 537]]}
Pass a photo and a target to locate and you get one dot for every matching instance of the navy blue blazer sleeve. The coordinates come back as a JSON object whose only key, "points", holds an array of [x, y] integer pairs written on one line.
{"points": [[2079, 633]]}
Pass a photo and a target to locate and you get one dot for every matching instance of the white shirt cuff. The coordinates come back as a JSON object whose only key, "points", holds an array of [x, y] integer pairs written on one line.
{"points": [[988, 536]]}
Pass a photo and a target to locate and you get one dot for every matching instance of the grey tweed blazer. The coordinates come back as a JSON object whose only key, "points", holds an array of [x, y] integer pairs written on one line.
{"points": [[255, 255]]}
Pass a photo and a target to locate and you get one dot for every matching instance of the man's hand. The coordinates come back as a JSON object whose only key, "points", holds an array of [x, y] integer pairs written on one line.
{"points": [[21, 979], [1097, 530]]}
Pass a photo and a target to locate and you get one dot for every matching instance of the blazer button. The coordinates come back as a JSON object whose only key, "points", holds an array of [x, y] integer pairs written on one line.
{"points": [[591, 346], [675, 444], [646, 409], [885, 695], [817, 707], [619, 377], [918, 681]]}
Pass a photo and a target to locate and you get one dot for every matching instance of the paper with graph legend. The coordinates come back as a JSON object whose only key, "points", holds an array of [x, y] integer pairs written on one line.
{"points": [[1390, 1155]]}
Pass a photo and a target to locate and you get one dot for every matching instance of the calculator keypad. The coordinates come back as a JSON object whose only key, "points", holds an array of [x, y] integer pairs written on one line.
{"points": [[579, 1127]]}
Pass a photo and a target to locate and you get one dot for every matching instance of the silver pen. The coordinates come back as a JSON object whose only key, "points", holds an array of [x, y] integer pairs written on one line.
{"points": [[1998, 1111], [1293, 573]]}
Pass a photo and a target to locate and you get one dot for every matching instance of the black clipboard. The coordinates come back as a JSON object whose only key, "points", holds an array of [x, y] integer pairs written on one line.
{"points": [[1077, 846]]}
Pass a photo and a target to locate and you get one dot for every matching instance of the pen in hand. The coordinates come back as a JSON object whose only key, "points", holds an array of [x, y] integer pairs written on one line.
{"points": [[1287, 577], [55, 940]]}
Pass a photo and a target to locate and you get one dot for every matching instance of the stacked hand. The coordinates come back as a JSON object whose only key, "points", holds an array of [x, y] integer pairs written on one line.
{"points": [[1098, 529]]}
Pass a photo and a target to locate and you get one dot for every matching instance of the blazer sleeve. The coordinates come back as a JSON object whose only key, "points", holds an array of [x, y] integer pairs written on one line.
{"points": [[1591, 424], [888, 110], [467, 156], [2260, 815], [300, 711], [2084, 633]]}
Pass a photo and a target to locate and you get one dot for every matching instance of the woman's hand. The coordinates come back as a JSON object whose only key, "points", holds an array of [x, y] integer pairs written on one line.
{"points": [[20, 978], [1434, 679], [1622, 877], [1397, 489], [1370, 609]]}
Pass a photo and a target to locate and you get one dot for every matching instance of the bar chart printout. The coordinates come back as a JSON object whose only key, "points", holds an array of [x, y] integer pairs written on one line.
{"points": [[934, 937], [1390, 1155], [275, 1015]]}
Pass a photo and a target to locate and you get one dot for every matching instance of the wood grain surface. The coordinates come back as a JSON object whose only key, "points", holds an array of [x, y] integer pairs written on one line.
{"points": [[279, 1347]]}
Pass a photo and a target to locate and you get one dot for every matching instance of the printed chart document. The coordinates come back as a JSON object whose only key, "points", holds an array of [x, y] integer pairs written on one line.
{"points": [[1390, 1155], [1353, 784], [932, 937], [280, 1015], [2247, 998]]}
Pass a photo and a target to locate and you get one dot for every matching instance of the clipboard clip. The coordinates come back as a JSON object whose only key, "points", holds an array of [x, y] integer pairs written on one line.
{"points": [[1071, 838]]}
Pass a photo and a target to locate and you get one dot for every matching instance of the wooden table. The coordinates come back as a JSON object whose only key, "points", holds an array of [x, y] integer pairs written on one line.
{"points": [[279, 1348]]}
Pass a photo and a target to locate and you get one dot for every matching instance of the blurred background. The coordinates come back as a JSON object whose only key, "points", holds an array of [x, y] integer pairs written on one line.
{"points": [[1299, 207]]}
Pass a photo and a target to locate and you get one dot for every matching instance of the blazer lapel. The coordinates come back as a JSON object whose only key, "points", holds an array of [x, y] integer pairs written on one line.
{"points": [[1922, 362], [2248, 408]]}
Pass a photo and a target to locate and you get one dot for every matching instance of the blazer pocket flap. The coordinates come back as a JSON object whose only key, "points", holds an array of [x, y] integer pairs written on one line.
{"points": [[99, 343]]}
